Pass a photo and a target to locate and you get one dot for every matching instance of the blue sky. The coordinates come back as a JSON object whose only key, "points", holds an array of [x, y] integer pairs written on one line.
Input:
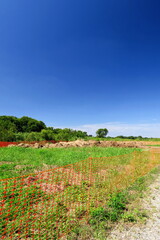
{"points": [[82, 64]]}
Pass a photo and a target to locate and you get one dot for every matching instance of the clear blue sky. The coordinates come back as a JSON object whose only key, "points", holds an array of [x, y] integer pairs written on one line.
{"points": [[80, 62]]}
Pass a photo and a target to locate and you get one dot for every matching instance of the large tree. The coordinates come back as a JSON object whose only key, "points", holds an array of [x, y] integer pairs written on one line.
{"points": [[102, 132], [7, 130], [28, 124], [23, 124]]}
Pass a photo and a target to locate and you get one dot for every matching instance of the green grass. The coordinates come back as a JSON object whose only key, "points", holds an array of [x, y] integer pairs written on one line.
{"points": [[17, 161], [121, 207], [114, 209], [153, 145], [99, 197], [123, 139]]}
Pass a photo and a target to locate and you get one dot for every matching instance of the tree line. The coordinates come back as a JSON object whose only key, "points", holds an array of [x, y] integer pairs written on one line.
{"points": [[29, 129]]}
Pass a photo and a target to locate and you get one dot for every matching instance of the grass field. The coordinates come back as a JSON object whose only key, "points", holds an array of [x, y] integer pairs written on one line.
{"points": [[80, 199], [17, 161], [154, 145]]}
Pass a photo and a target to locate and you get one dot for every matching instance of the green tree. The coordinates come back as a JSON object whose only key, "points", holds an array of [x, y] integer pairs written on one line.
{"points": [[102, 132], [29, 129], [47, 134], [33, 136], [7, 130], [28, 124]]}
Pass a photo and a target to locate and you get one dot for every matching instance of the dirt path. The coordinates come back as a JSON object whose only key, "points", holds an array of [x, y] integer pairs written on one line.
{"points": [[151, 229]]}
